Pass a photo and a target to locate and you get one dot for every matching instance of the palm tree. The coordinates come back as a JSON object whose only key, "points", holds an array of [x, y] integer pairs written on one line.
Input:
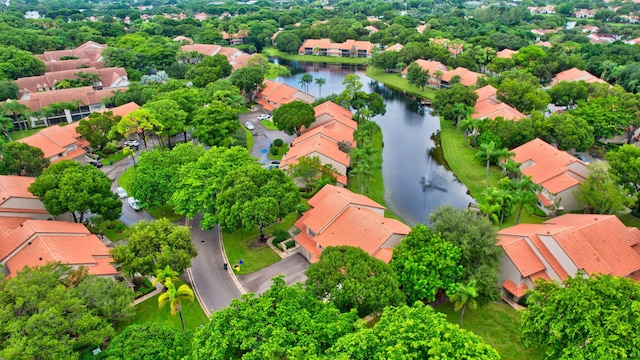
{"points": [[174, 298], [465, 296], [497, 199], [167, 273], [438, 75], [305, 80], [486, 151], [6, 124], [15, 108], [320, 82], [461, 111], [525, 194], [468, 125]]}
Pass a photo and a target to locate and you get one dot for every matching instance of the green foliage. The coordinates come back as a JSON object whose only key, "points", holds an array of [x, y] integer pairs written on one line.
{"points": [[587, 317], [521, 90], [567, 93], [174, 296], [464, 296], [8, 90], [274, 150], [249, 79], [417, 76], [425, 264], [67, 186], [109, 300], [291, 117], [18, 63], [609, 115], [172, 119], [215, 123], [284, 322], [386, 60], [22, 159], [476, 238], [43, 316], [280, 235], [313, 173], [142, 122], [625, 165], [600, 193], [288, 41], [445, 100], [153, 245], [277, 142], [351, 279], [146, 341], [253, 196], [210, 69], [412, 333], [97, 128]]}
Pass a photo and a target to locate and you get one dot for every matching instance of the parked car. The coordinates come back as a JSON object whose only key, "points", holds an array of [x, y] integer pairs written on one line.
{"points": [[264, 117], [122, 193], [135, 205], [95, 163], [583, 158], [132, 143], [249, 125]]}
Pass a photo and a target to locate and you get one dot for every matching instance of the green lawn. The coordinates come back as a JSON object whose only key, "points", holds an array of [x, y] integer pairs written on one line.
{"points": [[268, 124], [499, 326], [281, 151], [149, 312], [113, 157], [630, 220], [238, 246], [249, 136], [125, 178], [114, 229], [314, 58], [17, 134], [394, 80]]}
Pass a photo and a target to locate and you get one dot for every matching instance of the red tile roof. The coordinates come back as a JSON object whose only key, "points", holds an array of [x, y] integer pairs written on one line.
{"points": [[86, 95], [123, 110], [489, 107], [523, 257], [89, 50], [329, 111], [575, 74], [467, 77], [237, 58], [334, 131], [276, 93], [516, 290], [318, 145], [55, 140], [347, 45], [12, 186], [505, 53], [430, 65]]}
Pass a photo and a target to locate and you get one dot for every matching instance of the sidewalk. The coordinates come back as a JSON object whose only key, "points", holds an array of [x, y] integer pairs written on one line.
{"points": [[155, 292]]}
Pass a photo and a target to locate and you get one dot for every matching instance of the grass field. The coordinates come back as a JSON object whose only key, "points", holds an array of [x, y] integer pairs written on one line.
{"points": [[238, 246], [249, 136], [149, 312], [17, 134], [630, 220], [394, 80], [268, 124], [499, 325], [314, 58], [281, 151]]}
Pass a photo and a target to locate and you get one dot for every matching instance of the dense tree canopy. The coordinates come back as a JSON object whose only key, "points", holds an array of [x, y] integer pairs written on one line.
{"points": [[291, 117], [15, 63], [67, 186], [153, 245], [586, 317], [351, 279], [600, 193], [210, 69], [22, 159], [215, 123], [97, 128], [149, 341], [445, 100], [625, 165]]}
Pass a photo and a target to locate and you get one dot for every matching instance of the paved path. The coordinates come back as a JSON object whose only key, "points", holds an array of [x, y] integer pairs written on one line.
{"points": [[262, 137], [215, 286], [293, 268]]}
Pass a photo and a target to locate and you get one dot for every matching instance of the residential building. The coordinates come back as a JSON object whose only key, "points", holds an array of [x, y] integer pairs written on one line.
{"points": [[183, 40], [575, 74], [489, 107], [544, 43], [506, 53], [557, 172], [276, 93], [339, 217], [455, 47], [433, 67], [237, 58], [349, 48], [560, 247], [235, 39], [467, 77], [395, 47], [91, 52], [329, 112], [105, 78], [440, 75], [17, 201]]}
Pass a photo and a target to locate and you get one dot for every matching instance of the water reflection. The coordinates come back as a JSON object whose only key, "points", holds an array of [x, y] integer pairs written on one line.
{"points": [[416, 177]]}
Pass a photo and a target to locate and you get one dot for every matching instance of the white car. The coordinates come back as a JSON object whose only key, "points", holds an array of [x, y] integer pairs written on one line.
{"points": [[122, 193], [132, 143], [249, 125], [135, 205], [264, 117]]}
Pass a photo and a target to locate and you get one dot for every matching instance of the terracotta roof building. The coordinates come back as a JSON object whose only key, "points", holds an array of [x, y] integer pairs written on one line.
{"points": [[106, 78], [467, 77], [90, 50], [349, 48], [329, 112], [432, 67], [557, 172], [339, 217], [395, 47], [276, 93], [237, 58], [506, 53], [575, 74], [489, 107], [17, 201], [563, 245], [455, 47]]}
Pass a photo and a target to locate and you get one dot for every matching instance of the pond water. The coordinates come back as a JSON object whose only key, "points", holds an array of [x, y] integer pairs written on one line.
{"points": [[416, 178]]}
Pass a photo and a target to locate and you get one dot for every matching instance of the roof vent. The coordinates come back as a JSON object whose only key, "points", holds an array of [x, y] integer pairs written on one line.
{"points": [[29, 243], [548, 233], [40, 258]]}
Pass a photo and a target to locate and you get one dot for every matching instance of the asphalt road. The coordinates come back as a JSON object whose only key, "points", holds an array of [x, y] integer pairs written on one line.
{"points": [[262, 137], [293, 268], [215, 286]]}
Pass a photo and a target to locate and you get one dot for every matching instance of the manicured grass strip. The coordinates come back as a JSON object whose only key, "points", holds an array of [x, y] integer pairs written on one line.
{"points": [[281, 151], [238, 246], [314, 58], [396, 81], [149, 312], [268, 124], [629, 220], [499, 325], [113, 157], [16, 134], [117, 229], [165, 211], [249, 136]]}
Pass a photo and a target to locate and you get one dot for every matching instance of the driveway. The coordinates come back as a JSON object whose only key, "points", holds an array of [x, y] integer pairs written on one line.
{"points": [[262, 137], [293, 268], [215, 286]]}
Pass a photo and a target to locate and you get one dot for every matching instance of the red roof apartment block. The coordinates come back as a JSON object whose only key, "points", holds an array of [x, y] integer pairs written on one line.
{"points": [[237, 58], [561, 246], [489, 107], [432, 67], [349, 48], [276, 93], [90, 50], [17, 201], [557, 172], [467, 77], [329, 112], [112, 77], [575, 74], [339, 217]]}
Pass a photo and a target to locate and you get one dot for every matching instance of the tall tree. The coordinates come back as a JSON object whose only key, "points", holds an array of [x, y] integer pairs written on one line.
{"points": [[288, 41], [417, 76], [253, 196], [97, 128], [311, 172], [586, 317], [416, 332], [210, 69], [22, 159], [214, 124], [625, 164], [291, 117], [166, 273], [110, 300], [291, 323], [249, 79], [67, 186], [17, 110], [8, 90], [426, 264], [141, 122], [320, 82], [351, 279], [134, 342], [305, 80], [153, 245], [600, 193], [464, 296], [487, 151], [171, 118], [525, 195], [445, 100], [476, 237], [174, 296]]}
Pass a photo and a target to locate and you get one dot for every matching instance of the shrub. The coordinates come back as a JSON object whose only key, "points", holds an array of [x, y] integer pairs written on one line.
{"points": [[278, 142], [280, 235], [274, 150]]}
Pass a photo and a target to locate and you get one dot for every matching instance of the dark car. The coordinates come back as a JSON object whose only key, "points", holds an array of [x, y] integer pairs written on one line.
{"points": [[96, 163]]}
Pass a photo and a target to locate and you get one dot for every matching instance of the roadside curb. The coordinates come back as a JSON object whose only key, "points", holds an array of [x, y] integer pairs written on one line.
{"points": [[226, 261], [197, 294]]}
